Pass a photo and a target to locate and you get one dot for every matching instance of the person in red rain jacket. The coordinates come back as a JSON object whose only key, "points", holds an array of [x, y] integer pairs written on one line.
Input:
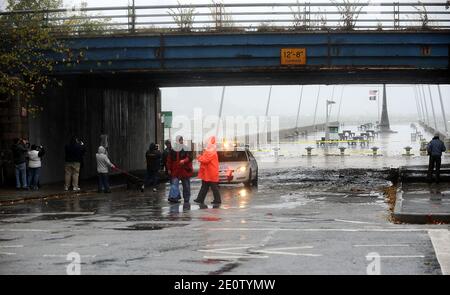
{"points": [[209, 172], [179, 165]]}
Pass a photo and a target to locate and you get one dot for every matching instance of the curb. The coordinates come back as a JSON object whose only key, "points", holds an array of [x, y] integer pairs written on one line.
{"points": [[414, 217], [63, 194]]}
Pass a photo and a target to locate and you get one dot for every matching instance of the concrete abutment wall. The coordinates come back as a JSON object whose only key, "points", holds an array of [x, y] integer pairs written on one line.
{"points": [[128, 112]]}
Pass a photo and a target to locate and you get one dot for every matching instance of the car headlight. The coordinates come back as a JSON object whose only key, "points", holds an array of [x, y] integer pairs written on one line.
{"points": [[242, 169]]}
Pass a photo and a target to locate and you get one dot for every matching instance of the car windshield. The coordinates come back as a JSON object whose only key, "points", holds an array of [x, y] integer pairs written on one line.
{"points": [[232, 156]]}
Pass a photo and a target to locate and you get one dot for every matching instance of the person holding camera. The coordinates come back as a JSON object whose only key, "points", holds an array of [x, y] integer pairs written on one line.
{"points": [[74, 153], [20, 152], [34, 165]]}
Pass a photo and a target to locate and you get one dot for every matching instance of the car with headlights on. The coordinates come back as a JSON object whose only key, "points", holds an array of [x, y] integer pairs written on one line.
{"points": [[238, 165]]}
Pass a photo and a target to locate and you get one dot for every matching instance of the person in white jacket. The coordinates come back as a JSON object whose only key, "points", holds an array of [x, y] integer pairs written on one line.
{"points": [[103, 165], [34, 165]]}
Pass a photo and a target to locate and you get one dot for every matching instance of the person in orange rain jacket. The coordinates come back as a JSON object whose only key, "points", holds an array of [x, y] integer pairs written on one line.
{"points": [[179, 165], [209, 172]]}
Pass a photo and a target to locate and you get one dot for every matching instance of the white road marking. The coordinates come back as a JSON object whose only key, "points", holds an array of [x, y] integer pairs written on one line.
{"points": [[255, 253], [440, 238], [289, 248], [225, 249], [315, 229], [7, 253], [82, 245], [234, 257], [24, 230], [65, 255], [48, 213], [287, 253], [278, 252], [12, 246], [224, 245], [402, 256], [380, 245], [352, 221]]}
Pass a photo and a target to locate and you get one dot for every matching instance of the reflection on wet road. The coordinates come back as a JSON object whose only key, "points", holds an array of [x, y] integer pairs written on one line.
{"points": [[298, 221]]}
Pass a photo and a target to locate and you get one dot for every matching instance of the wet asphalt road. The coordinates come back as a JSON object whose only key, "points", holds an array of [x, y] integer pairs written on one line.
{"points": [[296, 222]]}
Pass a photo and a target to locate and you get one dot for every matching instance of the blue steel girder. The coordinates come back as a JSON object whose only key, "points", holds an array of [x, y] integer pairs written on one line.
{"points": [[257, 55]]}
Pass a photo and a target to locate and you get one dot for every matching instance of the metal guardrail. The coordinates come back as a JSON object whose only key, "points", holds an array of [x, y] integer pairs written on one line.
{"points": [[245, 17]]}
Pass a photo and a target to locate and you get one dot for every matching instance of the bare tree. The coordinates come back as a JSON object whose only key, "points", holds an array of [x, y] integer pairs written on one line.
{"points": [[222, 19], [320, 21], [183, 17], [300, 15], [350, 11], [423, 15]]}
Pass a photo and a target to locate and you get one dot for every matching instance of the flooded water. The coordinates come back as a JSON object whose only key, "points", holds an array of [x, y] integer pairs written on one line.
{"points": [[391, 152]]}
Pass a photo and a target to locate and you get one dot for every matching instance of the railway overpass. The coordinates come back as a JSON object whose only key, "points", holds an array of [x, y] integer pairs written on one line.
{"points": [[111, 79]]}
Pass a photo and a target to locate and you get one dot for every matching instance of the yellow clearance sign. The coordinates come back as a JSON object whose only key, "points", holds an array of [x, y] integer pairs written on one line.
{"points": [[293, 56]]}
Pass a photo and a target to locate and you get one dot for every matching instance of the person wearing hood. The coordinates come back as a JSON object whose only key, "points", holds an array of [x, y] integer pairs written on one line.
{"points": [[153, 159], [34, 165], [179, 164], [165, 154], [103, 165], [435, 149], [209, 172]]}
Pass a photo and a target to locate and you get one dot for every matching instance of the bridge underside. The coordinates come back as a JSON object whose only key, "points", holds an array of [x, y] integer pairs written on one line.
{"points": [[200, 59], [274, 77]]}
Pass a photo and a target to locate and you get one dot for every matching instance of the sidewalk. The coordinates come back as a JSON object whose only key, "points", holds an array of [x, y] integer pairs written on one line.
{"points": [[420, 202], [10, 196]]}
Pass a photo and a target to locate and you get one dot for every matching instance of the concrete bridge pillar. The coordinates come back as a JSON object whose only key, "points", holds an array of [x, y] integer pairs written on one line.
{"points": [[125, 112]]}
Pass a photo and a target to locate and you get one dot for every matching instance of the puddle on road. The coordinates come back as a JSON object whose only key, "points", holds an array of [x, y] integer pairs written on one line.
{"points": [[288, 202], [150, 226]]}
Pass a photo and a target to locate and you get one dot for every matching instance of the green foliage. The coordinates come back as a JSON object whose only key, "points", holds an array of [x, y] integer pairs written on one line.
{"points": [[79, 23], [24, 43], [27, 41]]}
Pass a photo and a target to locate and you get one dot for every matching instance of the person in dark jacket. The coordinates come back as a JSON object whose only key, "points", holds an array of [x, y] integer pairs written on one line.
{"points": [[435, 149], [74, 152], [165, 154], [179, 164], [20, 152], [153, 158]]}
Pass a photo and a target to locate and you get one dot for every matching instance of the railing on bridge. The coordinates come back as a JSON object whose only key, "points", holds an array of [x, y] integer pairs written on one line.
{"points": [[244, 17]]}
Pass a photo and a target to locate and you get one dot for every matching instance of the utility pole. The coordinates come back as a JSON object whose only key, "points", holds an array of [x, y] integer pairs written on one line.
{"points": [[268, 101], [332, 98], [432, 108], [443, 110], [266, 118], [426, 107], [315, 111], [340, 103], [299, 104], [419, 105], [220, 111]]}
